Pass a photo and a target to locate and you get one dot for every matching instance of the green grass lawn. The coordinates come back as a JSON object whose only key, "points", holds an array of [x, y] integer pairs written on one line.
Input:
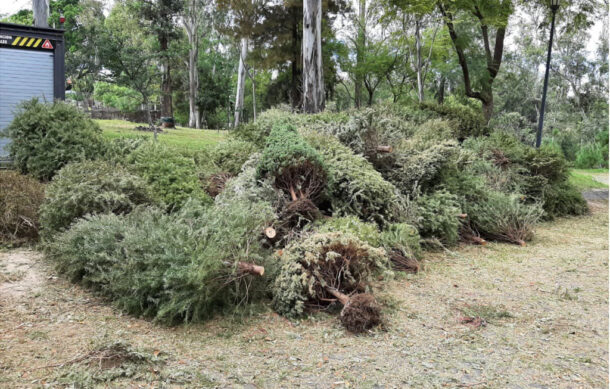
{"points": [[583, 178], [180, 138]]}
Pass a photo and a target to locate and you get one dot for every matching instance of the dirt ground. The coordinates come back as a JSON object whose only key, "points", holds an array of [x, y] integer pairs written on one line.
{"points": [[498, 316]]}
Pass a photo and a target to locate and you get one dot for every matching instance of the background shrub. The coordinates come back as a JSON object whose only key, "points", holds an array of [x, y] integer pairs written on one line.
{"points": [[590, 156], [46, 137], [90, 187], [20, 198], [172, 177]]}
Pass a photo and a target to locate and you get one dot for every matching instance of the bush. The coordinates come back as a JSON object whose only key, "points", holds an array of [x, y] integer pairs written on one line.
{"points": [[335, 260], [504, 217], [20, 198], [172, 177], [90, 187], [590, 156], [438, 216], [46, 137], [172, 267], [356, 187], [294, 165]]}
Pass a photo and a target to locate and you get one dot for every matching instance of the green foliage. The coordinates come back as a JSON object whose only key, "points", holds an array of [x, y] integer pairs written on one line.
{"points": [[356, 187], [467, 122], [20, 198], [294, 165], [45, 137], [438, 214], [366, 232], [416, 167], [258, 131], [230, 155], [120, 97], [116, 150], [505, 217], [564, 199], [171, 267], [590, 156], [171, 176], [90, 187], [403, 237], [541, 175], [335, 260]]}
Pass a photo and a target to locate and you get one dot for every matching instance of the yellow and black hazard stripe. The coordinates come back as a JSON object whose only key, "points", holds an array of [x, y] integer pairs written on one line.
{"points": [[26, 42]]}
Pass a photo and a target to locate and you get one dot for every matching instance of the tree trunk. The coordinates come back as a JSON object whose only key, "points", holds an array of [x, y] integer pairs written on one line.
{"points": [[253, 94], [488, 108], [420, 79], [295, 99], [361, 43], [41, 13], [166, 82], [191, 27], [440, 97], [241, 81], [313, 80]]}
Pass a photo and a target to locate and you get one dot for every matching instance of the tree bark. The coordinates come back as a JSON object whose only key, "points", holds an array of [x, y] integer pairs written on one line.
{"points": [[166, 82], [191, 25], [360, 47], [241, 81], [494, 59], [418, 66], [41, 13], [313, 80]]}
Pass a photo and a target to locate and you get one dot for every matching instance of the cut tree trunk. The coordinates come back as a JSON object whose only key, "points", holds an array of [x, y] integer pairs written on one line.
{"points": [[249, 268], [385, 149], [270, 232], [313, 80]]}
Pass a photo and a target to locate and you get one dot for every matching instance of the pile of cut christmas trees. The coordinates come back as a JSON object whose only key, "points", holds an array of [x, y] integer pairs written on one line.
{"points": [[321, 265]]}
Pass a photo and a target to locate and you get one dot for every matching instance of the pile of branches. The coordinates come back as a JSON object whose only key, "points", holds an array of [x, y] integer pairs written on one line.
{"points": [[325, 268]]}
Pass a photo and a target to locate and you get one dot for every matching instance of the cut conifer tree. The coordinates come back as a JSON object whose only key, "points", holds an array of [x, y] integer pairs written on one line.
{"points": [[297, 169], [328, 267]]}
